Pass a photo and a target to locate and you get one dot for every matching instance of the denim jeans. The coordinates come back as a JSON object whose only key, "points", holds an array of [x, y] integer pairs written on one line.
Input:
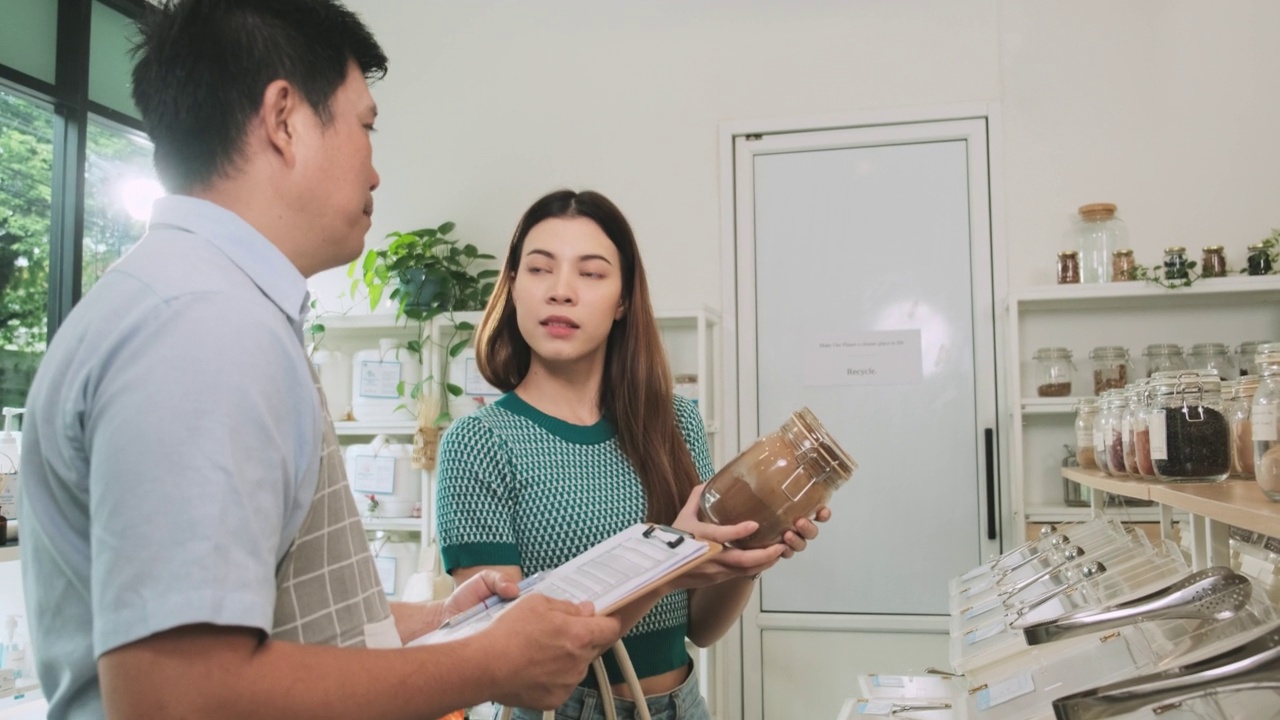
{"points": [[683, 703]]}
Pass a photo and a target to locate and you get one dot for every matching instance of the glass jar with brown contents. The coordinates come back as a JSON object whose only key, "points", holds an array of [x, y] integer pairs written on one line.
{"points": [[1068, 267], [784, 476], [1110, 368], [1240, 421], [1086, 413], [1054, 371], [1214, 262], [1122, 265]]}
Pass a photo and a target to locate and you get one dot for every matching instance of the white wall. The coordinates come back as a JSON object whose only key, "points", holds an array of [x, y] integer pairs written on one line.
{"points": [[1166, 107]]}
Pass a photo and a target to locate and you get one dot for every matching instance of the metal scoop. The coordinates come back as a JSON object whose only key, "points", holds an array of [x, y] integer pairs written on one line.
{"points": [[1054, 543], [1089, 570], [1075, 552], [1046, 530], [1253, 665], [1217, 593]]}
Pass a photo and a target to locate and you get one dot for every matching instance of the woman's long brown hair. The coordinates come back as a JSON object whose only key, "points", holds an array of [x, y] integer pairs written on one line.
{"points": [[636, 391]]}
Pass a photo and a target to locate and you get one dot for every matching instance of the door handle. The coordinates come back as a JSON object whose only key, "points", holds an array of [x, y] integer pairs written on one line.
{"points": [[990, 437]]}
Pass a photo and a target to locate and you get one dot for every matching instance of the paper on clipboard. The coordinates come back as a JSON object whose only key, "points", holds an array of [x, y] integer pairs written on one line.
{"points": [[608, 575]]}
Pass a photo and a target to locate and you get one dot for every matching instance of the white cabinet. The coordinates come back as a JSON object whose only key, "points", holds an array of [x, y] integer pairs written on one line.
{"points": [[1080, 317]]}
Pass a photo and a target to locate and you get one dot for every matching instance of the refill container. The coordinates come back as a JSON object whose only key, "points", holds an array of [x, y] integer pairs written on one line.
{"points": [[1214, 357], [1054, 371], [395, 554], [10, 464], [378, 380], [385, 470], [334, 370], [784, 476], [1098, 234], [1263, 414]]}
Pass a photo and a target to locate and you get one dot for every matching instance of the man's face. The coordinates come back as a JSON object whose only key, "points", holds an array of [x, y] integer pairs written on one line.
{"points": [[335, 163]]}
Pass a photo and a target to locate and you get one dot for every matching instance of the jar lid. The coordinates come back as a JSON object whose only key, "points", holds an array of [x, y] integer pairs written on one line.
{"points": [[1174, 250], [1269, 353], [1050, 353], [1068, 253], [1087, 403], [1174, 381], [1248, 347], [1247, 386], [1213, 248], [1257, 246], [1109, 352], [1209, 349], [1097, 211], [1123, 253], [1162, 349]]}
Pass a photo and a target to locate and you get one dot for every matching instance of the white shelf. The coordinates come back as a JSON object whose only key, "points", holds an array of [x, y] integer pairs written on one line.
{"points": [[8, 553], [25, 686], [1049, 406], [1089, 296], [382, 427], [395, 524], [382, 322]]}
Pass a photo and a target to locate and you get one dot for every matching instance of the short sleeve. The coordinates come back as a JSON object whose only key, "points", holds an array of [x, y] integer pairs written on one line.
{"points": [[198, 434], [695, 436], [475, 503]]}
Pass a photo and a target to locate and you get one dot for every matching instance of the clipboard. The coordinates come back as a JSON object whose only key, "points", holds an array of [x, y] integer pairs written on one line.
{"points": [[610, 575]]}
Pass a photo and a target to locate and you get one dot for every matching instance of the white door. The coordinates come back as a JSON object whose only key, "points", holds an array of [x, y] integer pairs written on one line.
{"points": [[864, 291]]}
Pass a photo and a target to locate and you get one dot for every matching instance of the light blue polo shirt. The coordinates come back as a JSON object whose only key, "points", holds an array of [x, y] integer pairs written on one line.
{"points": [[171, 447]]}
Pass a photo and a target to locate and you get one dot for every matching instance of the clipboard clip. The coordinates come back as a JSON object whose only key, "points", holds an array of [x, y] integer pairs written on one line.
{"points": [[674, 543]]}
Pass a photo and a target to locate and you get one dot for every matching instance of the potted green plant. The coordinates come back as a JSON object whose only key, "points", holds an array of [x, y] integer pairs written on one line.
{"points": [[429, 275]]}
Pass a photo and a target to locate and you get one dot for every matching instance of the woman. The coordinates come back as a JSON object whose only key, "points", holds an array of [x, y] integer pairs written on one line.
{"points": [[588, 440]]}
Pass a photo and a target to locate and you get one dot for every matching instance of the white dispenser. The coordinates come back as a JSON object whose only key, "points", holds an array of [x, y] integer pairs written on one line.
{"points": [[378, 377], [385, 470], [396, 556], [10, 463], [334, 370]]}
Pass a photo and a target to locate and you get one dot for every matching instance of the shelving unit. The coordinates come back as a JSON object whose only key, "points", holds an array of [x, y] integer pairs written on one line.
{"points": [[22, 688], [1081, 317], [8, 553]]}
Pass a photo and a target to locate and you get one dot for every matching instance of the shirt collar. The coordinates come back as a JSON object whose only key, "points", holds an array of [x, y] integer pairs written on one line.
{"points": [[255, 255]]}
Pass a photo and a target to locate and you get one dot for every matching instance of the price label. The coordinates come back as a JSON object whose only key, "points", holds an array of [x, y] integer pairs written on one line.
{"points": [[379, 379], [1159, 435], [1264, 423], [1002, 692], [372, 474], [875, 707], [983, 607]]}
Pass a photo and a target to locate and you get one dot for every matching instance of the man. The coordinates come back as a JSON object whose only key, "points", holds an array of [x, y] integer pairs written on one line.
{"points": [[190, 546]]}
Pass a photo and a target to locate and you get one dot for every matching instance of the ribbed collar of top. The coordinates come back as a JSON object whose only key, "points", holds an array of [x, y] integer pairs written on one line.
{"points": [[601, 431], [249, 249]]}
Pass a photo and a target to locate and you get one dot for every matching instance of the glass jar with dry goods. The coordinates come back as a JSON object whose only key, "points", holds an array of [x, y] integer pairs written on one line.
{"points": [[784, 476], [1098, 233], [1214, 357], [1164, 357], [1068, 267], [1247, 356], [1239, 420], [1122, 265], [1213, 263], [1134, 421], [1175, 263], [1190, 440], [1108, 438], [1110, 368], [1259, 261], [1086, 413], [1263, 414], [1054, 371]]}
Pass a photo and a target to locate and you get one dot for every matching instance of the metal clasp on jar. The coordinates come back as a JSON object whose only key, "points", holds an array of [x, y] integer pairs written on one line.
{"points": [[803, 457], [1181, 389]]}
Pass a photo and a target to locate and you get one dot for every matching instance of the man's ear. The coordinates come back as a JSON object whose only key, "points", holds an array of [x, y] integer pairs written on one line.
{"points": [[279, 116]]}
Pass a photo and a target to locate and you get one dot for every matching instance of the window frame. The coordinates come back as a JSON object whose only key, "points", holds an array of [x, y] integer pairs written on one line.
{"points": [[72, 108]]}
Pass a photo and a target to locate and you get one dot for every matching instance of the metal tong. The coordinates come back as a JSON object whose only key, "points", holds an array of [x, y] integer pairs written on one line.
{"points": [[1252, 665], [1216, 593], [1075, 552]]}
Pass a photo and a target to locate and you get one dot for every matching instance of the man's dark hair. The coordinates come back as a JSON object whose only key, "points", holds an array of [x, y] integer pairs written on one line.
{"points": [[202, 66]]}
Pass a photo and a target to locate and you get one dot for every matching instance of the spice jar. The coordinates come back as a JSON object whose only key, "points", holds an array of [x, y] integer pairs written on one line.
{"points": [[1247, 356], [1213, 357], [1259, 262], [1110, 367], [1133, 420], [1108, 440], [1098, 233], [1175, 263], [1263, 413], [1053, 371], [1190, 440], [1073, 493], [1068, 267], [1086, 413], [1213, 263], [1164, 357], [1122, 265], [784, 476], [1139, 408], [1239, 405]]}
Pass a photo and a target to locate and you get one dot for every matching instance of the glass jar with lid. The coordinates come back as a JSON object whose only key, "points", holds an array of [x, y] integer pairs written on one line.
{"points": [[1213, 263], [1239, 421], [1263, 414], [1175, 263], [1133, 420], [1247, 356], [1110, 367], [1108, 438], [1214, 357], [1098, 233], [1068, 267], [1164, 357], [1122, 265], [1259, 261], [1054, 371], [1190, 440], [782, 477], [1139, 409], [1086, 413]]}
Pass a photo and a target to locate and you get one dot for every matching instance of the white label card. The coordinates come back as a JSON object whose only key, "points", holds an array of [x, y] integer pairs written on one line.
{"points": [[1097, 439], [1264, 423], [1159, 435], [976, 573], [374, 474], [379, 379], [983, 607], [1002, 692], [981, 587], [386, 573], [875, 707], [474, 383], [891, 357], [982, 632], [896, 681]]}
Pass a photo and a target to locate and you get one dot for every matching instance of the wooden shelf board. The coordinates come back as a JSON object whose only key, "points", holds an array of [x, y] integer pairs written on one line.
{"points": [[1235, 502], [1140, 489]]}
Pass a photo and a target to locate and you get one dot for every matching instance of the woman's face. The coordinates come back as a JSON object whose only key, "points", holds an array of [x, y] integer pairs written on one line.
{"points": [[567, 290]]}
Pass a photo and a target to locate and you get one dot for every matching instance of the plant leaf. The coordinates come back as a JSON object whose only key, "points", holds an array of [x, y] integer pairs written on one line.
{"points": [[456, 349], [453, 390], [447, 228], [465, 326]]}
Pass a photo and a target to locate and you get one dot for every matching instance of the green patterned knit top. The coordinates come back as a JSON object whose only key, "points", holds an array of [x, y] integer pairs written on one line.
{"points": [[519, 487]]}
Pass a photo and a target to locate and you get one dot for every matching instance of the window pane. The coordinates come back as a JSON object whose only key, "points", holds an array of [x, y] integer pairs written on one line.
{"points": [[111, 36], [26, 180], [120, 185], [29, 36]]}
